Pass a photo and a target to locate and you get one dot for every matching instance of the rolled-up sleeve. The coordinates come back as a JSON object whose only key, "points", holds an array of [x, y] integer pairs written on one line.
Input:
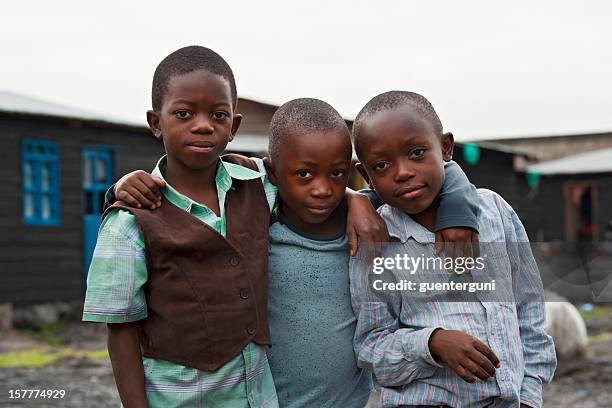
{"points": [[459, 201], [117, 273], [394, 355]]}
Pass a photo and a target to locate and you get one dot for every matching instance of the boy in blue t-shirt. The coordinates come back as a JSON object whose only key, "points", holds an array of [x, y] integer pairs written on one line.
{"points": [[311, 320]]}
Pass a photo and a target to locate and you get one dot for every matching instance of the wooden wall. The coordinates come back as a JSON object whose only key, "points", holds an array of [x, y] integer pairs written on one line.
{"points": [[46, 263]]}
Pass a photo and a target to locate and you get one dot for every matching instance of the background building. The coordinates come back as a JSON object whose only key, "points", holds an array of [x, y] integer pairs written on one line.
{"points": [[57, 162]]}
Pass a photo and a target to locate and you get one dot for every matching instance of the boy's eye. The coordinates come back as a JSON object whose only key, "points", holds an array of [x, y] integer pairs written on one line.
{"points": [[380, 166], [418, 152], [337, 173], [220, 115], [303, 174], [182, 114]]}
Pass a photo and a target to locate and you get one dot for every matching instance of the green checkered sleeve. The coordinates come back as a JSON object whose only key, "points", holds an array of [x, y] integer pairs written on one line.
{"points": [[270, 189], [117, 273]]}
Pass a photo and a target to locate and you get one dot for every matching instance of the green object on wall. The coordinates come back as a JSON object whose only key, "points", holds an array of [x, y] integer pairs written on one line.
{"points": [[471, 153], [533, 179]]}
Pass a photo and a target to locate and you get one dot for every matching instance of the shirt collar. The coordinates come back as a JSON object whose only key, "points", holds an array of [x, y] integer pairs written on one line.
{"points": [[223, 178], [403, 227]]}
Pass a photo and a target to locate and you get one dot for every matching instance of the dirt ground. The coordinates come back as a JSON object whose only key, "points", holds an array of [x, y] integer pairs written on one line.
{"points": [[88, 381]]}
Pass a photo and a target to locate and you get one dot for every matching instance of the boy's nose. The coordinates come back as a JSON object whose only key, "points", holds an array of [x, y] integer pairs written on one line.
{"points": [[202, 124], [321, 189], [404, 172]]}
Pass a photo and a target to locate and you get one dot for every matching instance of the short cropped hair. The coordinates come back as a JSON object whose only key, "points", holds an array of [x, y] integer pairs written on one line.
{"points": [[393, 100], [184, 61], [302, 116]]}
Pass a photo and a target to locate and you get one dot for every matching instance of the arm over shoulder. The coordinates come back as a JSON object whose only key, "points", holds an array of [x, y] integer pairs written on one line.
{"points": [[459, 201]]}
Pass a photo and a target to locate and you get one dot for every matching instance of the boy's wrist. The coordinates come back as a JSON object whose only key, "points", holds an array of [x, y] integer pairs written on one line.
{"points": [[432, 346]]}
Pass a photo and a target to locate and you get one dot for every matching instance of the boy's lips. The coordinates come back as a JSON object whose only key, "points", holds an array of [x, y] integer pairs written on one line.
{"points": [[410, 191], [201, 146], [319, 210]]}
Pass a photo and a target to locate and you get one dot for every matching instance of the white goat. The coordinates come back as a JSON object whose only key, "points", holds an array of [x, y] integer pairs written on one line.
{"points": [[565, 325]]}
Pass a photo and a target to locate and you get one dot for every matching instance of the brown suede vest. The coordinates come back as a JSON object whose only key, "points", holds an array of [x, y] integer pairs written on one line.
{"points": [[207, 296]]}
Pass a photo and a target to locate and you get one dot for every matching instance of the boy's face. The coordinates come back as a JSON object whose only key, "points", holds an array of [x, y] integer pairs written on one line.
{"points": [[311, 172], [196, 120], [402, 158]]}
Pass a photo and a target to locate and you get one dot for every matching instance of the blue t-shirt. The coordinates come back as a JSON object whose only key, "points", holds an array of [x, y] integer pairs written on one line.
{"points": [[312, 322]]}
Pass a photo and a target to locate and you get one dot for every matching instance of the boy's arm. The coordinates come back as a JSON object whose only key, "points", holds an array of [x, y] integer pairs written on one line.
{"points": [[125, 355], [364, 225], [373, 197], [136, 189], [395, 356], [538, 347], [139, 188], [457, 223], [115, 296], [459, 202]]}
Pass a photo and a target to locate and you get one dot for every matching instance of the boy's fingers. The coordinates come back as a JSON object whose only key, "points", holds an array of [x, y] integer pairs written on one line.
{"points": [[382, 237], [475, 246], [141, 199], [160, 182], [378, 247], [352, 240], [483, 362], [460, 250], [465, 374], [128, 199], [458, 246], [488, 353], [152, 185], [449, 249], [467, 249], [476, 370], [369, 252], [147, 192], [439, 245]]}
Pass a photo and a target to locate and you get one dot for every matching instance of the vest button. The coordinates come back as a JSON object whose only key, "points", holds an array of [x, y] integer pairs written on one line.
{"points": [[234, 261], [250, 329], [244, 293]]}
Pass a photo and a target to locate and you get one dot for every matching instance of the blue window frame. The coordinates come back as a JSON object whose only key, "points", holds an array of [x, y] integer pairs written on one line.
{"points": [[41, 184], [97, 177]]}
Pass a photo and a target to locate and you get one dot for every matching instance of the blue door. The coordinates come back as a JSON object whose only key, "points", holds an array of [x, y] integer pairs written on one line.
{"points": [[97, 178]]}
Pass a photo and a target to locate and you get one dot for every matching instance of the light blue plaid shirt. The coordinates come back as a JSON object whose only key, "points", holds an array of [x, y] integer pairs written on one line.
{"points": [[394, 327]]}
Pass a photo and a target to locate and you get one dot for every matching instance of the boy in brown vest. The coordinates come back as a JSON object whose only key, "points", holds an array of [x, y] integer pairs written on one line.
{"points": [[183, 289]]}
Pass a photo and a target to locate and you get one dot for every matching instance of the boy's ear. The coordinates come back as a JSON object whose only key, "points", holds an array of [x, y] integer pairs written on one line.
{"points": [[153, 121], [236, 121], [448, 145], [270, 169], [361, 169]]}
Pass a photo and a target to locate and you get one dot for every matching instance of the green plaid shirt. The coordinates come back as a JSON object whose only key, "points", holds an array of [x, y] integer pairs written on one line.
{"points": [[115, 294]]}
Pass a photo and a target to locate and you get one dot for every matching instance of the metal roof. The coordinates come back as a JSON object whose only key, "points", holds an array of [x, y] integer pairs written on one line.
{"points": [[492, 145], [598, 161], [15, 103]]}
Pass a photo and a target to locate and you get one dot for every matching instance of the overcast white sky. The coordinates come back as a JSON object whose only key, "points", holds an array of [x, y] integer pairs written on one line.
{"points": [[491, 68]]}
